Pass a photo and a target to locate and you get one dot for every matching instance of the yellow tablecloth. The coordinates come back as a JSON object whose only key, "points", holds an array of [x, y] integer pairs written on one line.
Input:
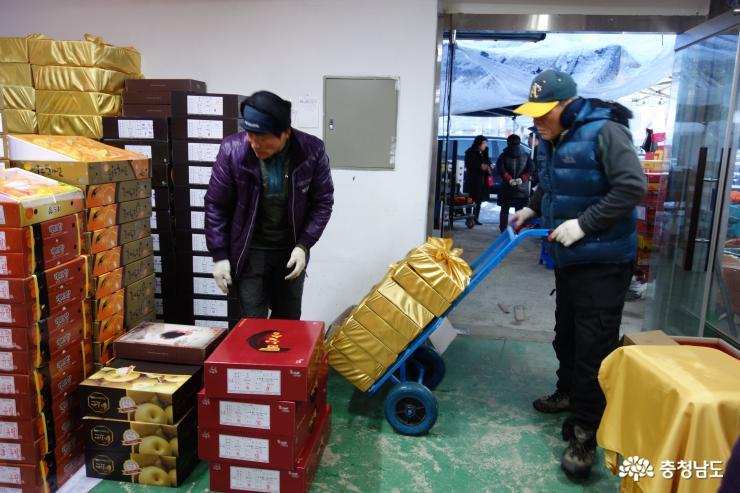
{"points": [[670, 403]]}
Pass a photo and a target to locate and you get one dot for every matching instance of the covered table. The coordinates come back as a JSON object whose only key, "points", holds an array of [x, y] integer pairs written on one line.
{"points": [[673, 412]]}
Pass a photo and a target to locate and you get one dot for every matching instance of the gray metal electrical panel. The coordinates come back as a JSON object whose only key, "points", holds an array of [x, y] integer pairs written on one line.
{"points": [[360, 115]]}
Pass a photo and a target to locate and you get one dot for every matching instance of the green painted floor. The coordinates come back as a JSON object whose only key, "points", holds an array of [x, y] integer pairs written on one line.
{"points": [[488, 438]]}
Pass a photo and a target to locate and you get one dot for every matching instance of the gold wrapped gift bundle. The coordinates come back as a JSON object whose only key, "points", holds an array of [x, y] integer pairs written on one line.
{"points": [[89, 52], [413, 292]]}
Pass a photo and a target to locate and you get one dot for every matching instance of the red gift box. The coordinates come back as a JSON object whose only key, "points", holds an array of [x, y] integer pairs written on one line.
{"points": [[29, 395], [47, 244], [229, 478], [50, 334], [279, 418], [266, 359], [44, 477]]}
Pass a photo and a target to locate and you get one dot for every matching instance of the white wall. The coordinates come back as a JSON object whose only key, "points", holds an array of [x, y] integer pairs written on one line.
{"points": [[580, 7], [287, 46]]}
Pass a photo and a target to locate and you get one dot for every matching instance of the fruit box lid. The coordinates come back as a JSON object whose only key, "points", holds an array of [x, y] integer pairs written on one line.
{"points": [[124, 374], [171, 335], [28, 189], [66, 148], [269, 343]]}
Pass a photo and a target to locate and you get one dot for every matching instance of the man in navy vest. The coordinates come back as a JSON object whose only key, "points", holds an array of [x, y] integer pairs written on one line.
{"points": [[590, 182]]}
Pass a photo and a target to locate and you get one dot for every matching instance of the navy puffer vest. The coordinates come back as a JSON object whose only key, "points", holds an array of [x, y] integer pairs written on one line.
{"points": [[572, 179]]}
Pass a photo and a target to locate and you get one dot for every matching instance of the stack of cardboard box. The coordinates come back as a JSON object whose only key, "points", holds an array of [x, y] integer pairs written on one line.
{"points": [[647, 214], [79, 82], [116, 187], [141, 427], [16, 86], [145, 129], [199, 124], [263, 420], [4, 150], [44, 331]]}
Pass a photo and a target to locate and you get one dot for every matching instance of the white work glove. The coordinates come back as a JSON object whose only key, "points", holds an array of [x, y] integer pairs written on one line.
{"points": [[522, 217], [297, 262], [518, 181], [222, 275], [568, 233], [512, 182]]}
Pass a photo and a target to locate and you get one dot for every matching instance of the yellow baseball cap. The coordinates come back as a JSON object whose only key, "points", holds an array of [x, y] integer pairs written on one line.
{"points": [[547, 90]]}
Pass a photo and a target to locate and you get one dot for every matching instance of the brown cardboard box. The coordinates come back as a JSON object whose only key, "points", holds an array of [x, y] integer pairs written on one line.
{"points": [[218, 105], [135, 128], [105, 239], [184, 128], [122, 191], [109, 215], [148, 85], [708, 342], [147, 110], [156, 341], [129, 301], [652, 338], [156, 98], [109, 260], [122, 277]]}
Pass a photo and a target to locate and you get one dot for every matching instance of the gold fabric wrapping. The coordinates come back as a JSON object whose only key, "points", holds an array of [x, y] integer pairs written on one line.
{"points": [[670, 403], [78, 103], [20, 121], [14, 50], [55, 78], [441, 267], [19, 97], [15, 74], [418, 288], [367, 342], [345, 367], [82, 125], [90, 52]]}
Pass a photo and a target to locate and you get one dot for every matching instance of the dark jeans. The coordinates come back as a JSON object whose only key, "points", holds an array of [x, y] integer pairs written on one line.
{"points": [[588, 313], [263, 287], [503, 218]]}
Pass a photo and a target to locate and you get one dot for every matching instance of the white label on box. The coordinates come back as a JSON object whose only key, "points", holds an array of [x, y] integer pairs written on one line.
{"points": [[2, 148], [205, 129], [2, 166], [2, 123], [10, 474], [4, 290], [154, 202], [7, 385], [205, 105], [210, 308], [197, 220], [145, 150], [6, 315], [2, 215], [202, 265], [199, 243], [258, 382], [250, 479], [155, 241], [157, 264], [641, 212], [202, 152], [153, 221], [198, 198], [10, 451], [199, 175], [244, 415], [9, 430], [135, 129], [6, 361], [7, 407], [3, 242], [3, 265], [157, 285], [219, 324], [6, 339], [244, 448], [207, 286], [4, 489], [159, 306]]}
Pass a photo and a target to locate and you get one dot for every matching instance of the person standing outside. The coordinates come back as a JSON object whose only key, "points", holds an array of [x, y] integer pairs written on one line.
{"points": [[515, 167], [477, 171], [268, 201], [590, 182]]}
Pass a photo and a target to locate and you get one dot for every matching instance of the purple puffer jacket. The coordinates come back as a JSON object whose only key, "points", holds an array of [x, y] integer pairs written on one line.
{"points": [[234, 191]]}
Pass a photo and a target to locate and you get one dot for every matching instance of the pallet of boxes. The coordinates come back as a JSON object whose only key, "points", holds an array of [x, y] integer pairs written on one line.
{"points": [[44, 331], [263, 420], [140, 410], [17, 93], [117, 242]]}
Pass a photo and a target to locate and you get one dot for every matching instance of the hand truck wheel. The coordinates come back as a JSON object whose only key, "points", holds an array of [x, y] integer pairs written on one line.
{"points": [[411, 409], [470, 222], [432, 364]]}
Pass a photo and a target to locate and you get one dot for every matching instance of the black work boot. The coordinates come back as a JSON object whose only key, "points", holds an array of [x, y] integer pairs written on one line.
{"points": [[554, 403], [578, 457]]}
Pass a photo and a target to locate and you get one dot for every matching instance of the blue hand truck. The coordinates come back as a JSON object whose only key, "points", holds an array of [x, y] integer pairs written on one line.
{"points": [[410, 407]]}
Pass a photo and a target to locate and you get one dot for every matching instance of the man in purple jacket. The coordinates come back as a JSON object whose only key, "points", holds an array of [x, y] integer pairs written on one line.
{"points": [[268, 202]]}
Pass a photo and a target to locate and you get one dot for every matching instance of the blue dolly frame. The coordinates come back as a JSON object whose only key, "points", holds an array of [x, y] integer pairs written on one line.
{"points": [[410, 406]]}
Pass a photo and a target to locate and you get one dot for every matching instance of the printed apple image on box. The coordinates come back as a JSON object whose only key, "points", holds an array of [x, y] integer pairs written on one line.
{"points": [[127, 390]]}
